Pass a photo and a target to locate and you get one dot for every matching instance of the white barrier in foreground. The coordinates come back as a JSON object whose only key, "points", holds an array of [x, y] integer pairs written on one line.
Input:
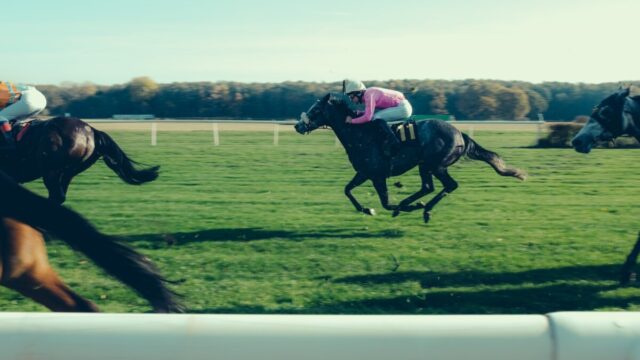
{"points": [[558, 336]]}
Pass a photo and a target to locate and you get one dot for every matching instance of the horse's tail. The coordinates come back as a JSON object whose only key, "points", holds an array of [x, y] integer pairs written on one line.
{"points": [[120, 261], [120, 163], [476, 152]]}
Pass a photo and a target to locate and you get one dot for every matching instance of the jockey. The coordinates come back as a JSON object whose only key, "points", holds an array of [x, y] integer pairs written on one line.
{"points": [[17, 102], [380, 105]]}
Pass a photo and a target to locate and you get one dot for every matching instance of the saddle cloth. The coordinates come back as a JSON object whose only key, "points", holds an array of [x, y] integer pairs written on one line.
{"points": [[406, 132]]}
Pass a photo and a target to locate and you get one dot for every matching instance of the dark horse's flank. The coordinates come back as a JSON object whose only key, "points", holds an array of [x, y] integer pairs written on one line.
{"points": [[25, 268], [440, 145], [618, 114], [60, 148]]}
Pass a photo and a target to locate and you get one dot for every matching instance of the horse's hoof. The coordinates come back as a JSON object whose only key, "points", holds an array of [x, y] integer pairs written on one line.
{"points": [[627, 278], [396, 212], [426, 216], [369, 211]]}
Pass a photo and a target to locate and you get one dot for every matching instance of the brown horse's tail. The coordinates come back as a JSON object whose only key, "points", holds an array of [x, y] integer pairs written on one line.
{"points": [[476, 152], [120, 163], [120, 261]]}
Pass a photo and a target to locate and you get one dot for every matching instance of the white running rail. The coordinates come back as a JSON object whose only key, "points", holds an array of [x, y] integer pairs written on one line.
{"points": [[556, 336]]}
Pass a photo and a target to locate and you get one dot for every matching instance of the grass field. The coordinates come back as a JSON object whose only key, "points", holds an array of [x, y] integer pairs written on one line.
{"points": [[251, 227]]}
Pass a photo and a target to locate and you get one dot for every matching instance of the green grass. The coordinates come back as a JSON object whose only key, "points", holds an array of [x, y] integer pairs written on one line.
{"points": [[250, 227]]}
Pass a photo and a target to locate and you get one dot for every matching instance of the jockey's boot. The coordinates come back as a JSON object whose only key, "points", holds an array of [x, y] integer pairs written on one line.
{"points": [[391, 144], [8, 146]]}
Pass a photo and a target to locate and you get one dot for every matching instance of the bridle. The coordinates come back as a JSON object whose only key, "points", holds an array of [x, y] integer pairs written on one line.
{"points": [[304, 117], [612, 127]]}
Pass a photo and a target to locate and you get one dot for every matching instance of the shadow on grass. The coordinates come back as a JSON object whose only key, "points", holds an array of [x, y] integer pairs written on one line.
{"points": [[537, 299], [255, 234], [430, 279], [531, 291], [574, 288]]}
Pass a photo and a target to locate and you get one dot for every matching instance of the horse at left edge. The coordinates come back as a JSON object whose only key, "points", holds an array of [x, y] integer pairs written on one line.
{"points": [[60, 148]]}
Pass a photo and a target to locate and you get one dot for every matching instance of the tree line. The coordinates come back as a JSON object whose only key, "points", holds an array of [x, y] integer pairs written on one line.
{"points": [[464, 99]]}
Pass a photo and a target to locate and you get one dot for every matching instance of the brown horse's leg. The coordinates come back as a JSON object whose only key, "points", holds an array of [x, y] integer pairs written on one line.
{"points": [[26, 269]]}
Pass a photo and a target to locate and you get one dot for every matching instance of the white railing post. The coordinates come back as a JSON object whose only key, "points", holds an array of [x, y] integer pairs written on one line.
{"points": [[154, 134], [216, 135], [276, 130], [539, 130]]}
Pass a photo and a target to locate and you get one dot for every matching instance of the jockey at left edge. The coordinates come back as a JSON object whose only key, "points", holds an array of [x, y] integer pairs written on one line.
{"points": [[17, 102]]}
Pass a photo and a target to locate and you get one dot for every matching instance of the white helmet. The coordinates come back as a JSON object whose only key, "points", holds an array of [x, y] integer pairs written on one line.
{"points": [[351, 85]]}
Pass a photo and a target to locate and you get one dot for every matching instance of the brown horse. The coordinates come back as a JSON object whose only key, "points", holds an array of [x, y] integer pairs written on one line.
{"points": [[60, 148], [25, 268]]}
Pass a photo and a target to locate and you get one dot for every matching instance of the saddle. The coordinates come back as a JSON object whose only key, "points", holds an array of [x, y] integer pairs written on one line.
{"points": [[20, 129], [406, 132]]}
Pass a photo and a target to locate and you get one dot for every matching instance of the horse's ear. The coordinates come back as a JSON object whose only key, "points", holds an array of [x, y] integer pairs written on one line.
{"points": [[626, 91], [344, 86]]}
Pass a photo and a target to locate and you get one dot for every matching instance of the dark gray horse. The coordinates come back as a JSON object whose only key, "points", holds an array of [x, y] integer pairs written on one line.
{"points": [[440, 145], [618, 114]]}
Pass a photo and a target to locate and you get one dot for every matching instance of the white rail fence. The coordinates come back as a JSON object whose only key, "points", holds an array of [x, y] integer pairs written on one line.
{"points": [[556, 336], [468, 126]]}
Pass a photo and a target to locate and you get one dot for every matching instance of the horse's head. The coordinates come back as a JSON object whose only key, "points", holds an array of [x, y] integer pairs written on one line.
{"points": [[328, 111], [605, 123]]}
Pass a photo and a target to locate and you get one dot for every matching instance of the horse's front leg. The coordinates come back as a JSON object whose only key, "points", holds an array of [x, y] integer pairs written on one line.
{"points": [[380, 185], [355, 182]]}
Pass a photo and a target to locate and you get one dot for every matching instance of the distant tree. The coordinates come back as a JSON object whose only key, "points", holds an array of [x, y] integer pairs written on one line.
{"points": [[513, 103], [537, 103], [478, 101], [438, 103], [142, 89], [465, 99]]}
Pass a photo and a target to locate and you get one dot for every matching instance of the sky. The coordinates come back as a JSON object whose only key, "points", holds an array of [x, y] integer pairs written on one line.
{"points": [[112, 41]]}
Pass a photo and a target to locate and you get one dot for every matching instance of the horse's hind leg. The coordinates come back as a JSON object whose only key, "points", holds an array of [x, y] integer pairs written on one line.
{"points": [[425, 189], [67, 176], [355, 182], [449, 186], [54, 181], [26, 269], [627, 268]]}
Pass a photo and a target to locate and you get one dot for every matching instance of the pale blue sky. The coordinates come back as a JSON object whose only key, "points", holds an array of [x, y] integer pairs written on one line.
{"points": [[112, 41]]}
